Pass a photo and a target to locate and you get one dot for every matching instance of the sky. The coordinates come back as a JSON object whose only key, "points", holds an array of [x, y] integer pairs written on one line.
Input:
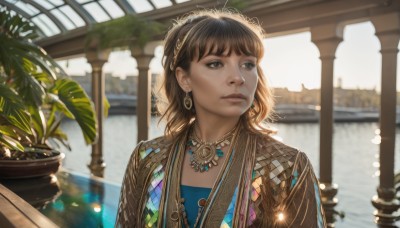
{"points": [[289, 61]]}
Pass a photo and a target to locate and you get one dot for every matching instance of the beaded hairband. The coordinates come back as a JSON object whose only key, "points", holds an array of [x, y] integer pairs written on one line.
{"points": [[179, 44]]}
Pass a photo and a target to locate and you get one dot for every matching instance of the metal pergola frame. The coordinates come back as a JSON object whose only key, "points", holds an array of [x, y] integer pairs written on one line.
{"points": [[325, 19]]}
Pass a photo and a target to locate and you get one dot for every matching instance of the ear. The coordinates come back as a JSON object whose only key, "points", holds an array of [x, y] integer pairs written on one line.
{"points": [[183, 79]]}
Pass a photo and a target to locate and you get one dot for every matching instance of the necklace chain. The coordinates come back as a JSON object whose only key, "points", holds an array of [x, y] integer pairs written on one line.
{"points": [[205, 155]]}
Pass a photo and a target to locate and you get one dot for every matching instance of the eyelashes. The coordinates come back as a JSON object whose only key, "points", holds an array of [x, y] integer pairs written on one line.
{"points": [[214, 64], [249, 65], [218, 64]]}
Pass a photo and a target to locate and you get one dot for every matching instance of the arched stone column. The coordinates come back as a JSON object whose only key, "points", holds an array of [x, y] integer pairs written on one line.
{"points": [[387, 28], [327, 38], [143, 56], [96, 59]]}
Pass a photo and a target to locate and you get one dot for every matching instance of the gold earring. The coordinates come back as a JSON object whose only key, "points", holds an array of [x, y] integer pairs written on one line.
{"points": [[187, 101]]}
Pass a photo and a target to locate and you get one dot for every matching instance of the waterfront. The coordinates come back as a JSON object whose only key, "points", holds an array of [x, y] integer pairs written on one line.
{"points": [[355, 158]]}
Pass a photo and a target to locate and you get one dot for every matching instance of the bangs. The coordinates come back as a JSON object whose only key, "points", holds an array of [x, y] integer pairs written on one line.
{"points": [[222, 36]]}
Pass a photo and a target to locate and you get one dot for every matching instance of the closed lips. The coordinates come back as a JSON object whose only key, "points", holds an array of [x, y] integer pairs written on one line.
{"points": [[236, 95]]}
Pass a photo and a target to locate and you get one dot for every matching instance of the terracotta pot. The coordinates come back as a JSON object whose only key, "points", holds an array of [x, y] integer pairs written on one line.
{"points": [[17, 169]]}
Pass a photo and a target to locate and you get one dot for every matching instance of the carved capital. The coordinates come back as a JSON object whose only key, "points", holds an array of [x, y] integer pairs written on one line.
{"points": [[96, 58], [387, 27], [144, 55], [327, 37]]}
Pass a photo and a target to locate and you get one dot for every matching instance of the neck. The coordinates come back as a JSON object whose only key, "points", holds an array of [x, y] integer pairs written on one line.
{"points": [[210, 130]]}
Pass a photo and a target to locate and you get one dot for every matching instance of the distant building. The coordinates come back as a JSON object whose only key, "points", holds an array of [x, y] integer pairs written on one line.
{"points": [[361, 98], [113, 85]]}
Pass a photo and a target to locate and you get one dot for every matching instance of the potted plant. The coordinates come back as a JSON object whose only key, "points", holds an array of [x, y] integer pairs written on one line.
{"points": [[35, 95]]}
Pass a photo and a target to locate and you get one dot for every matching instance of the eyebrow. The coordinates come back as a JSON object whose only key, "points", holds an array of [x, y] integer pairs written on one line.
{"points": [[221, 55]]}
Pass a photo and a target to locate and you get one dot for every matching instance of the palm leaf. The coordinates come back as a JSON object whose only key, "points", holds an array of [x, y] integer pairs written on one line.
{"points": [[59, 136], [106, 106], [79, 104], [27, 72], [53, 129], [8, 130], [58, 105], [39, 124], [10, 142], [12, 108], [28, 67], [38, 56], [10, 138], [19, 72], [16, 26]]}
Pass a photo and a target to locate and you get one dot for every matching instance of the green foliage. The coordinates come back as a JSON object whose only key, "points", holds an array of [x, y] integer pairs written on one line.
{"points": [[16, 27], [12, 107], [35, 93], [237, 4], [76, 105], [10, 139], [124, 30]]}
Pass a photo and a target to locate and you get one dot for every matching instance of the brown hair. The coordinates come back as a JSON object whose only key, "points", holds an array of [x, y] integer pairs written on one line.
{"points": [[197, 35]]}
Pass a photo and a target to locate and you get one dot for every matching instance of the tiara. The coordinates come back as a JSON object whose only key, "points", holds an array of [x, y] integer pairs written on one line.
{"points": [[179, 44]]}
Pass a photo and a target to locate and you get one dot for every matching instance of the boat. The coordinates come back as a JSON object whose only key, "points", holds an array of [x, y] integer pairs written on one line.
{"points": [[302, 113], [122, 104]]}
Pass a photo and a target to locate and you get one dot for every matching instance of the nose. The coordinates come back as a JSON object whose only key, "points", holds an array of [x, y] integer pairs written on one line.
{"points": [[236, 76]]}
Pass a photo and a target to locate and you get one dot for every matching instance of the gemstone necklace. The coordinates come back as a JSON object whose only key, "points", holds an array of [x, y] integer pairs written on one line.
{"points": [[205, 155]]}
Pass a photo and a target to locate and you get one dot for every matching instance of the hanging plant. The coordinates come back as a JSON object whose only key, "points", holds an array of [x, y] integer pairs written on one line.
{"points": [[236, 4], [123, 31]]}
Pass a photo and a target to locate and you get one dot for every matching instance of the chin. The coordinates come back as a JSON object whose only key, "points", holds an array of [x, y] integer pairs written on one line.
{"points": [[233, 113]]}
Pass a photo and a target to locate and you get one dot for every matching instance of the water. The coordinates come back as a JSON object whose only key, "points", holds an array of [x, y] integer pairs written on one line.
{"points": [[83, 202], [355, 158], [70, 199]]}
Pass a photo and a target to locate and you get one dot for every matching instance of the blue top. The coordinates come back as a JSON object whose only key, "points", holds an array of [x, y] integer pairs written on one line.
{"points": [[192, 195]]}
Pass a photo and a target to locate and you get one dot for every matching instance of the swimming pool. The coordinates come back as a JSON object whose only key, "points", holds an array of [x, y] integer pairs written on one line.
{"points": [[70, 199]]}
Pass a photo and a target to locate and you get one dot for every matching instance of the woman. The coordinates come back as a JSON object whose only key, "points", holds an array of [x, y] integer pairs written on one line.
{"points": [[217, 165]]}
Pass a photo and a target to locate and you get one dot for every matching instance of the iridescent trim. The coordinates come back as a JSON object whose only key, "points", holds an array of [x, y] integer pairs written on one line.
{"points": [[318, 202], [228, 218], [151, 210], [252, 215], [255, 193], [144, 152], [295, 178], [167, 188], [217, 187], [247, 182]]}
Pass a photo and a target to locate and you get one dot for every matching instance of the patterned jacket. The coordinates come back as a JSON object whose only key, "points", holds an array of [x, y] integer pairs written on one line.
{"points": [[265, 184]]}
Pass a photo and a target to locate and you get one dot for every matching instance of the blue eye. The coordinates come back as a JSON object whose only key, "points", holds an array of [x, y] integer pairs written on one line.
{"points": [[214, 64]]}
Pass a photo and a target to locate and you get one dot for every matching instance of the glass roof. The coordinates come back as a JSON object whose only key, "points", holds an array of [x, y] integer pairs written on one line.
{"points": [[53, 17]]}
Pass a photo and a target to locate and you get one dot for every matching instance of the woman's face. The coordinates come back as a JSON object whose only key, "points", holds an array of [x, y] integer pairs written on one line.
{"points": [[223, 86]]}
